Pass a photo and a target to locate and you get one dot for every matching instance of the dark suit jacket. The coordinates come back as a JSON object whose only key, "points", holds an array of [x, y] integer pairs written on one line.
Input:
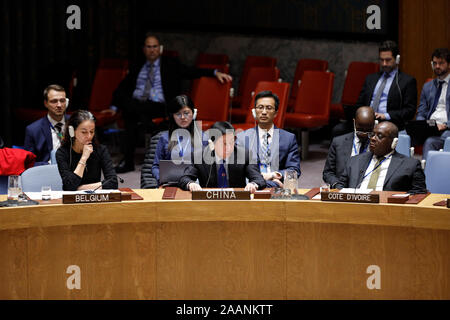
{"points": [[427, 96], [207, 173], [38, 139], [402, 107], [172, 74], [284, 150], [404, 173], [338, 155]]}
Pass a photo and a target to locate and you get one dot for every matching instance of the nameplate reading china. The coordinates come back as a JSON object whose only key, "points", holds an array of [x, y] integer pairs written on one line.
{"points": [[218, 194], [350, 197], [91, 197]]}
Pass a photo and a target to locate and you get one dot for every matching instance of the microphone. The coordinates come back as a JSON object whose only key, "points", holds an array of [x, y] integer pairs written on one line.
{"points": [[120, 179], [107, 180]]}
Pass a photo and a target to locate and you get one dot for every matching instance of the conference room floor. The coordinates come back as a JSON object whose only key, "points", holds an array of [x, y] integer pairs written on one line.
{"points": [[311, 168]]}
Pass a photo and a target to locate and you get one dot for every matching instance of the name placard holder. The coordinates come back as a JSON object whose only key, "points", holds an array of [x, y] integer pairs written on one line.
{"points": [[220, 195], [91, 197], [350, 197], [448, 203]]}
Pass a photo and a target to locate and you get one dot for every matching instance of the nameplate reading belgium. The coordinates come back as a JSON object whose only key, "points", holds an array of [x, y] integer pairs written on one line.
{"points": [[350, 197], [218, 194], [91, 197]]}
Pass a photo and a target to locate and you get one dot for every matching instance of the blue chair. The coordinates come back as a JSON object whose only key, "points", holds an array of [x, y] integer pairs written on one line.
{"points": [[447, 145], [3, 184], [404, 145], [53, 157], [437, 172], [36, 177]]}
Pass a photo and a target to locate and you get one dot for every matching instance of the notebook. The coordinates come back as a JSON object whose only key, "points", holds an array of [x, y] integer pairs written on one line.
{"points": [[420, 130]]}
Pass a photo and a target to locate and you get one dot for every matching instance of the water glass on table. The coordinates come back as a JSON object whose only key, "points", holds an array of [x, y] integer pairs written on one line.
{"points": [[14, 187], [290, 180]]}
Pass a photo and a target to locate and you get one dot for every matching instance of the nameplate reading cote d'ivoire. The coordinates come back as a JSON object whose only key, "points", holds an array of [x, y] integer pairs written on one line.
{"points": [[218, 194], [91, 197], [350, 197]]}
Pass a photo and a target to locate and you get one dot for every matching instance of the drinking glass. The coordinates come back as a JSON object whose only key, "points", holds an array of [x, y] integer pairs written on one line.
{"points": [[290, 180], [14, 188]]}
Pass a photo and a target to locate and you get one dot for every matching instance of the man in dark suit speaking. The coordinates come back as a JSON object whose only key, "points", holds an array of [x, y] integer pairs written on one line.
{"points": [[222, 164], [143, 94], [349, 145], [383, 169]]}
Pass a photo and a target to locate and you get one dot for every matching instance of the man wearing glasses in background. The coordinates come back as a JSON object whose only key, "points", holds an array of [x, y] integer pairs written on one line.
{"points": [[349, 145], [274, 150], [45, 134], [383, 169]]}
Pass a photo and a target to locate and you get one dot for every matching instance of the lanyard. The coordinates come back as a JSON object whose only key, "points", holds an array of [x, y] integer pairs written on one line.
{"points": [[375, 167], [182, 150], [58, 134]]}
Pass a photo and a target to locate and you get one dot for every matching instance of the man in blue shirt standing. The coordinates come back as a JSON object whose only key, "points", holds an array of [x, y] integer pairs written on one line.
{"points": [[142, 95]]}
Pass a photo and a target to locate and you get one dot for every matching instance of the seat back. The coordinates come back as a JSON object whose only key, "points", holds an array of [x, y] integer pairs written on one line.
{"points": [[212, 99], [314, 94], [36, 177], [302, 66], [170, 53], [108, 76], [281, 89], [255, 75], [204, 58], [447, 144], [356, 75], [250, 62], [404, 145], [148, 181], [437, 172]]}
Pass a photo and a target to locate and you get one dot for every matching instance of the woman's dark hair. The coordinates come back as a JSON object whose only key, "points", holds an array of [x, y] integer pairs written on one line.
{"points": [[75, 120], [174, 106]]}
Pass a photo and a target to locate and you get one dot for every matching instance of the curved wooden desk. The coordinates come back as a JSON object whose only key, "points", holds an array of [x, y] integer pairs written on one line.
{"points": [[259, 249]]}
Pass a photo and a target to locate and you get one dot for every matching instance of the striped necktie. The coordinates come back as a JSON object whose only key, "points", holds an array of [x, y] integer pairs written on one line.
{"points": [[376, 101], [265, 150]]}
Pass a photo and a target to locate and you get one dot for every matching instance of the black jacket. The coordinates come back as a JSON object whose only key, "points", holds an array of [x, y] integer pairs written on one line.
{"points": [[148, 181], [402, 99], [207, 173], [338, 155]]}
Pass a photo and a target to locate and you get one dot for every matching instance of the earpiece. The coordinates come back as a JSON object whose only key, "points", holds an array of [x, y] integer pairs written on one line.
{"points": [[71, 132], [67, 103], [195, 114], [397, 59], [394, 143], [161, 48], [211, 144], [254, 113], [432, 65]]}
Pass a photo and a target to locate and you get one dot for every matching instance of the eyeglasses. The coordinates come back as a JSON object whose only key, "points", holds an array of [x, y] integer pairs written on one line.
{"points": [[55, 101], [379, 136], [268, 108], [186, 114]]}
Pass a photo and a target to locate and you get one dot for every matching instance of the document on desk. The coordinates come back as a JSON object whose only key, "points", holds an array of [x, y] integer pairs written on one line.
{"points": [[353, 190]]}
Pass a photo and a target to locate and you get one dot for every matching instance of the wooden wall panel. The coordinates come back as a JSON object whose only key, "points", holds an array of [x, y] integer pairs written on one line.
{"points": [[224, 260], [423, 26]]}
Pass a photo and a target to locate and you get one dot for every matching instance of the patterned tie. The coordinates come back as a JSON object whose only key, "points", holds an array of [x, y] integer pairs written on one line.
{"points": [[375, 174], [265, 150], [58, 128], [376, 101], [222, 181], [436, 98], [148, 83]]}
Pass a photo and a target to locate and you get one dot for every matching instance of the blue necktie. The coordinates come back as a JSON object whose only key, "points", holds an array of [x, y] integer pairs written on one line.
{"points": [[222, 181], [436, 98]]}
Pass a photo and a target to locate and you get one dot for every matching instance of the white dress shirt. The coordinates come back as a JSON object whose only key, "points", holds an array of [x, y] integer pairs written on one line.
{"points": [[440, 114], [383, 167]]}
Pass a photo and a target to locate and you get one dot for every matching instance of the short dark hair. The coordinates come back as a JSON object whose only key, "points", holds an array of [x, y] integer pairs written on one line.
{"points": [[222, 126], [268, 94], [391, 46], [441, 53], [55, 87], [151, 35]]}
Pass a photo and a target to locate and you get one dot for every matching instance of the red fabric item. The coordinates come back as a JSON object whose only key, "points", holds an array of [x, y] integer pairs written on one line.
{"points": [[15, 161]]}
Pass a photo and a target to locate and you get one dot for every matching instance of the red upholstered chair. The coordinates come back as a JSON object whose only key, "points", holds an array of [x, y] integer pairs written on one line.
{"points": [[250, 62], [281, 89], [312, 105], [212, 100], [354, 81], [212, 58], [302, 66], [255, 75], [108, 76]]}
